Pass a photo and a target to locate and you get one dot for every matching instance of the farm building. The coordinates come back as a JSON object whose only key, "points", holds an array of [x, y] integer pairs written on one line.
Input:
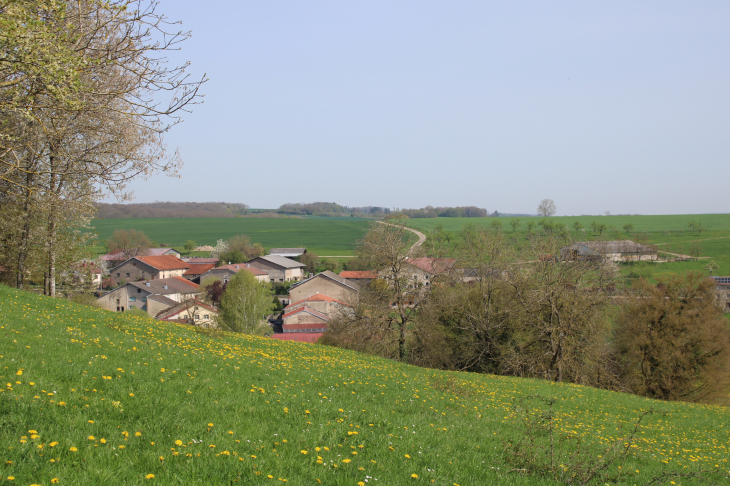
{"points": [[279, 268], [327, 283], [148, 268], [616, 251], [191, 311], [225, 272], [150, 296], [722, 292], [288, 252]]}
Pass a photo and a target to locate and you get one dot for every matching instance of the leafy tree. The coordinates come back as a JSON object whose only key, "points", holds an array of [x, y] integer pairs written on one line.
{"points": [[546, 208], [577, 226], [233, 256], [130, 242], [496, 225], [244, 304], [547, 225], [214, 290], [190, 246], [530, 225], [628, 228], [514, 223], [673, 341], [310, 260], [243, 245], [696, 226], [598, 227]]}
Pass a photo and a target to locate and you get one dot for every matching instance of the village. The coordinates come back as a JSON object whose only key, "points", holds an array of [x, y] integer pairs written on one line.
{"points": [[170, 287]]}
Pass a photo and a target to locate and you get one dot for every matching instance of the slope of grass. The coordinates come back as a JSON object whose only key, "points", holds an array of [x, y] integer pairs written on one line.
{"points": [[93, 397]]}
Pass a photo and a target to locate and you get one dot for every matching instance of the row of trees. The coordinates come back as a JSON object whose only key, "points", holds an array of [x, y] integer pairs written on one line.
{"points": [[515, 310], [86, 96], [172, 210]]}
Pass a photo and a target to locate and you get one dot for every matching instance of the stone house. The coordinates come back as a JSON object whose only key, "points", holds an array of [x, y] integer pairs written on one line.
{"points": [[191, 312], [279, 268], [361, 278], [111, 260], [318, 302], [421, 272], [722, 292], [326, 283], [225, 272], [197, 270], [148, 268], [150, 296]]}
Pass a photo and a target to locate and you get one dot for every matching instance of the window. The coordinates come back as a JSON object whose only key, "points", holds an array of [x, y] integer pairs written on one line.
{"points": [[127, 274], [281, 280], [206, 316], [197, 317], [133, 299], [272, 279], [139, 291], [119, 274]]}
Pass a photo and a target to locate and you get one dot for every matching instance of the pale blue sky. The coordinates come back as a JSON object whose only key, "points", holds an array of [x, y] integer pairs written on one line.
{"points": [[618, 106]]}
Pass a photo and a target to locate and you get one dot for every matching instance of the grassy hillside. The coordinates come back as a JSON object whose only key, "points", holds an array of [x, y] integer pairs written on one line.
{"points": [[93, 397], [323, 236]]}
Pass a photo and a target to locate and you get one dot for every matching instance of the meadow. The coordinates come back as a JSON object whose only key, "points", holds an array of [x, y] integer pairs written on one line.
{"points": [[94, 397], [334, 236]]}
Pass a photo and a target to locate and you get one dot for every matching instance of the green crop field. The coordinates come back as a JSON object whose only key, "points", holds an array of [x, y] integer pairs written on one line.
{"points": [[95, 397], [323, 236]]}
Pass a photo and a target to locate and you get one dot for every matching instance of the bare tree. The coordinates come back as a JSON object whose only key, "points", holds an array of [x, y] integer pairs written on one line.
{"points": [[129, 242], [546, 208]]}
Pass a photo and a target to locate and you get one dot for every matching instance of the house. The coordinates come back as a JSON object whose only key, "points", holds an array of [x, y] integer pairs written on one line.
{"points": [[279, 268], [319, 302], [225, 272], [196, 270], [148, 268], [722, 292], [361, 278], [422, 271], [152, 296], [288, 252], [111, 260], [191, 311], [327, 283], [197, 260], [305, 319], [615, 251]]}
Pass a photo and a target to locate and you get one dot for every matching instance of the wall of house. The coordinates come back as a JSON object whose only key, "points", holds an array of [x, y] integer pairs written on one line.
{"points": [[132, 272], [304, 318], [322, 285], [295, 274], [123, 298], [276, 273]]}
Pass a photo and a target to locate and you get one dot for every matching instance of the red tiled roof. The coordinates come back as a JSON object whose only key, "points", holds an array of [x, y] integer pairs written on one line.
{"points": [[358, 274], [178, 308], [432, 265], [309, 311], [302, 337], [113, 257], [188, 282], [317, 297], [164, 262], [199, 268], [304, 325]]}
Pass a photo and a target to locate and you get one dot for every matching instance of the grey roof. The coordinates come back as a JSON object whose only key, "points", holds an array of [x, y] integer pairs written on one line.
{"points": [[281, 261], [616, 246], [288, 252], [174, 286], [330, 275], [163, 300]]}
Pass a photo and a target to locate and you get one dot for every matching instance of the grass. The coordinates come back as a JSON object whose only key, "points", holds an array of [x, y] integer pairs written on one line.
{"points": [[336, 237], [93, 397]]}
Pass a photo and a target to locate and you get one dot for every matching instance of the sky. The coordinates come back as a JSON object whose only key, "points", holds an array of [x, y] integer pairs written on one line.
{"points": [[617, 106]]}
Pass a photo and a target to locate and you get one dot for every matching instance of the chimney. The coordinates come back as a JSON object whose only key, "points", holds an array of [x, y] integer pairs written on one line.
{"points": [[248, 266], [236, 267], [164, 286], [147, 284]]}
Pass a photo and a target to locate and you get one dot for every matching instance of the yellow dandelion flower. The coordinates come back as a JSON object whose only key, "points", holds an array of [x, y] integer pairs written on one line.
{"points": [[414, 476], [149, 476], [304, 452], [346, 461], [138, 434], [178, 442], [407, 456], [210, 425], [54, 481], [103, 441], [73, 449]]}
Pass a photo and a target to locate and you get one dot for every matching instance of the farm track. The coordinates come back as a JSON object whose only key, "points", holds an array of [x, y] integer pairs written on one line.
{"points": [[421, 237]]}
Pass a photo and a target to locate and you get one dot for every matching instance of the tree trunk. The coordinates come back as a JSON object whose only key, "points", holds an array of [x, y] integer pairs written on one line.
{"points": [[23, 250]]}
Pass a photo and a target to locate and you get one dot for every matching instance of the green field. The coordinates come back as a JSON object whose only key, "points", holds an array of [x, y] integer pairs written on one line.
{"points": [[335, 236], [95, 397]]}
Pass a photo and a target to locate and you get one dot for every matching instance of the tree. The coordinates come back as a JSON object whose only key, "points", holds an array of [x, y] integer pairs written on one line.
{"points": [[547, 225], [530, 225], [598, 227], [546, 208], [380, 319], [628, 228], [560, 316], [244, 304], [514, 223], [130, 243], [577, 226], [696, 226], [711, 266], [214, 290], [310, 260], [243, 245], [496, 225], [190, 246], [673, 341], [695, 249]]}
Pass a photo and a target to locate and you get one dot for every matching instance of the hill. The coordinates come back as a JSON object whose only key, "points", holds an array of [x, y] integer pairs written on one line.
{"points": [[94, 397]]}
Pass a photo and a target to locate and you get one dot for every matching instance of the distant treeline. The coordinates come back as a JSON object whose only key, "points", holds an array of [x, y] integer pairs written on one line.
{"points": [[445, 212], [330, 209], [172, 210]]}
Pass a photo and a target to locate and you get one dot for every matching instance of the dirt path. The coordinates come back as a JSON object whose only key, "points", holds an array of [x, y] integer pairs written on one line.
{"points": [[421, 236]]}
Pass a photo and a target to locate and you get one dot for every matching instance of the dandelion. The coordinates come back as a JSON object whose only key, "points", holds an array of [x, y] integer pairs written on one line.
{"points": [[407, 456], [103, 441], [138, 434], [178, 442], [149, 476], [210, 425], [73, 449], [414, 476], [54, 481], [346, 461], [131, 395], [304, 452]]}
